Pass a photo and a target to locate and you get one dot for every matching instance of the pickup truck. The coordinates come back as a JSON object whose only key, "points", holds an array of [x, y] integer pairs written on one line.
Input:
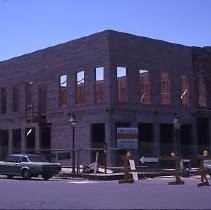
{"points": [[27, 166]]}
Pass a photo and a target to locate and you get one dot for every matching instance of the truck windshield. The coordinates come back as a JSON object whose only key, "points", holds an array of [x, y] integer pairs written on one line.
{"points": [[35, 158]]}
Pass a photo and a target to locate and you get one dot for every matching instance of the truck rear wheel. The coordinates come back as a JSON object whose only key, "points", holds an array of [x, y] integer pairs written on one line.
{"points": [[26, 174]]}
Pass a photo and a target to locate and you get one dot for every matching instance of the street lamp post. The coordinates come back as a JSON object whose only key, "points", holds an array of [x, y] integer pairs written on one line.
{"points": [[73, 123], [176, 124], [176, 156]]}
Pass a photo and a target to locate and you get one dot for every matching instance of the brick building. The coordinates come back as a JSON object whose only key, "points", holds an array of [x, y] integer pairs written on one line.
{"points": [[109, 80]]}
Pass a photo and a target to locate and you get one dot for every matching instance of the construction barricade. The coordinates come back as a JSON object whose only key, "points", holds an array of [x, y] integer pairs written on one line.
{"points": [[203, 170]]}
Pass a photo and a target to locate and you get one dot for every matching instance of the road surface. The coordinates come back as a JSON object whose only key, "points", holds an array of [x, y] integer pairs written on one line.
{"points": [[82, 194]]}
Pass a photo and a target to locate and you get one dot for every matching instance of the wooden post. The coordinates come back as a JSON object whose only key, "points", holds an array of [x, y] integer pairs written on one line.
{"points": [[105, 149]]}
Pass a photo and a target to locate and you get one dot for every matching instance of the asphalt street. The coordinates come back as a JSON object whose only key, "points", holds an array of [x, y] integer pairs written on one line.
{"points": [[83, 194]]}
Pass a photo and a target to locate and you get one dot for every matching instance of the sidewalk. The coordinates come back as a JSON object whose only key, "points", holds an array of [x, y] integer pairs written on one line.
{"points": [[67, 173]]}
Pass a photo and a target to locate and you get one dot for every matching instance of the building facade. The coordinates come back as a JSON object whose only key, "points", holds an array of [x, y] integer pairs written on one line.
{"points": [[108, 80]]}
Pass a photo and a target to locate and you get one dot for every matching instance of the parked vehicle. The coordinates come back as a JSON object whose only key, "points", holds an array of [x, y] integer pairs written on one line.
{"points": [[207, 166], [27, 166]]}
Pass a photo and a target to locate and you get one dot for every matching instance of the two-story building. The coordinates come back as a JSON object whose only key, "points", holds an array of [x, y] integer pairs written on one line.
{"points": [[108, 80]]}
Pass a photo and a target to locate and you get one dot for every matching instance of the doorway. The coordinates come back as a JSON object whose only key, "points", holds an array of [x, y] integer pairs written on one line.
{"points": [[97, 141], [4, 144]]}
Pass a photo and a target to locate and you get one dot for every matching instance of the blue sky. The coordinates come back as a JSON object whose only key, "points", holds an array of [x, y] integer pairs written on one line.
{"points": [[30, 25]]}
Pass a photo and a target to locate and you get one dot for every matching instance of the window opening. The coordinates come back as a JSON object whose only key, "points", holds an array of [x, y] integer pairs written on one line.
{"points": [[31, 110], [45, 137], [4, 143], [202, 99], [144, 87], [203, 132], [184, 97], [28, 101], [42, 101], [121, 84], [99, 81], [3, 100], [15, 98], [63, 80], [63, 90], [145, 138], [166, 139], [16, 140], [165, 88], [28, 93], [30, 138], [80, 97]]}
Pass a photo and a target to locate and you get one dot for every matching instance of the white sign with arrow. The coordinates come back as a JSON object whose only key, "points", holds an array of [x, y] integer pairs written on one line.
{"points": [[149, 159]]}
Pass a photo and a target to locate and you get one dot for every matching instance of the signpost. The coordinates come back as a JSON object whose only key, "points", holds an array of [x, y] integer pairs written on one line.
{"points": [[127, 138]]}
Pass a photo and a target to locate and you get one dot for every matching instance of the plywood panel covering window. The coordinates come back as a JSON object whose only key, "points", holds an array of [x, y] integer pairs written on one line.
{"points": [[202, 93], [15, 98], [42, 100], [63, 90], [28, 94], [99, 83], [165, 97], [3, 100], [144, 87], [184, 97], [28, 101], [121, 84], [80, 97]]}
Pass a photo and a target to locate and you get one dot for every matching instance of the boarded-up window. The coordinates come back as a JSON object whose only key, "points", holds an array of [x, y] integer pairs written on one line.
{"points": [[99, 82], [3, 100], [62, 90], [144, 87], [80, 97], [202, 93], [15, 98], [121, 84], [42, 100], [28, 101], [165, 89], [28, 94], [185, 94]]}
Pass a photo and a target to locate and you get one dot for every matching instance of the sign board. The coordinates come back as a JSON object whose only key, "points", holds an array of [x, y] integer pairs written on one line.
{"points": [[149, 159], [127, 138], [133, 167]]}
